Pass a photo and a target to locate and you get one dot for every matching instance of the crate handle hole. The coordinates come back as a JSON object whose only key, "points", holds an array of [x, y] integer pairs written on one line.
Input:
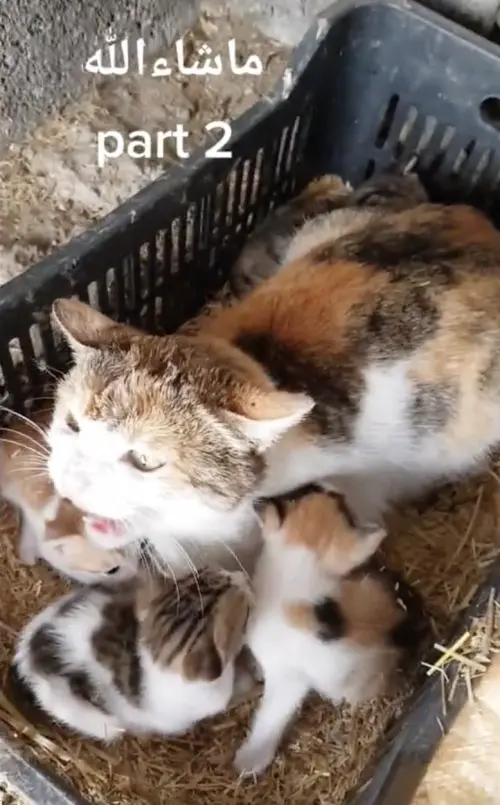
{"points": [[490, 112]]}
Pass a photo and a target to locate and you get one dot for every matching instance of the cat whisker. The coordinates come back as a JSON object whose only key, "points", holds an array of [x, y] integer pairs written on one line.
{"points": [[51, 371], [27, 465], [194, 572], [25, 419], [26, 447], [34, 442], [158, 564], [238, 562]]}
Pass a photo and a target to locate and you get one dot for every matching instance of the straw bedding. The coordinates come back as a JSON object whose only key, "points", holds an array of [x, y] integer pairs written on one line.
{"points": [[443, 545]]}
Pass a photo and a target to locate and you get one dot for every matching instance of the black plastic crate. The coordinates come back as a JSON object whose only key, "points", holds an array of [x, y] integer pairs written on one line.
{"points": [[373, 81]]}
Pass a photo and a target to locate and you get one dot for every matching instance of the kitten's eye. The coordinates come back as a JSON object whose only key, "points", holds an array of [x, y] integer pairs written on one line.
{"points": [[72, 423], [142, 462]]}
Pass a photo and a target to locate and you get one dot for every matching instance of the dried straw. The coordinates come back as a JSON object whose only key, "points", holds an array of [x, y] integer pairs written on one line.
{"points": [[464, 769], [328, 748]]}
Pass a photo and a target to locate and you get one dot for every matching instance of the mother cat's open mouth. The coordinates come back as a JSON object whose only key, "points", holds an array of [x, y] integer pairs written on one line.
{"points": [[106, 532]]}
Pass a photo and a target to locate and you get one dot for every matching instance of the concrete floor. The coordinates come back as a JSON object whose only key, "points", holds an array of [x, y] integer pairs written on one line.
{"points": [[43, 46], [287, 20]]}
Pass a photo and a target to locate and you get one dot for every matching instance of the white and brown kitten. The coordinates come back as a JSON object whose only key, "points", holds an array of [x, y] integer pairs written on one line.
{"points": [[50, 527], [324, 620], [372, 360], [155, 657]]}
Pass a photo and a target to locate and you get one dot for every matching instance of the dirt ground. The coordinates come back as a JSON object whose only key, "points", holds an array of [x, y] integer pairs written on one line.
{"points": [[51, 187]]}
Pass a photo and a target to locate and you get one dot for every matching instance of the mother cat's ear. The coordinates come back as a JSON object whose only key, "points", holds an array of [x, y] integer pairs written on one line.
{"points": [[84, 328], [263, 416]]}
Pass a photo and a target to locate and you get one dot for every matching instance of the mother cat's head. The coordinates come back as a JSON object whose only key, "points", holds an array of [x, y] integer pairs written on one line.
{"points": [[168, 430]]}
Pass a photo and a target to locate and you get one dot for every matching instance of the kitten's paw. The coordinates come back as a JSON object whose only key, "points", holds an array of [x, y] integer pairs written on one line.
{"points": [[252, 760]]}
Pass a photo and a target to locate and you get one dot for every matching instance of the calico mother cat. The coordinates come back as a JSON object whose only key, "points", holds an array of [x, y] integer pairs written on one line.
{"points": [[372, 359]]}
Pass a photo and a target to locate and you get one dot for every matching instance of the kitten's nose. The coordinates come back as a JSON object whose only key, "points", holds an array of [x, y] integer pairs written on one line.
{"points": [[113, 571]]}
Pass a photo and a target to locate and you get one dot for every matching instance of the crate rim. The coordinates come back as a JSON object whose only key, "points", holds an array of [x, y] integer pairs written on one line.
{"points": [[169, 187]]}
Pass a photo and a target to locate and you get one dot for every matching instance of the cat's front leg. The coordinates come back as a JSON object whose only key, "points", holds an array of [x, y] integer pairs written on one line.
{"points": [[282, 698]]}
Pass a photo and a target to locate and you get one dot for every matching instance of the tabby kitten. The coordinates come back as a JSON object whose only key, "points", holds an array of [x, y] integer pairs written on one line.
{"points": [[324, 200], [372, 360], [157, 657]]}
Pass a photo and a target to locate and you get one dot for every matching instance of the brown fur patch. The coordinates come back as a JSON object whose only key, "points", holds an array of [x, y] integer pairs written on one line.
{"points": [[115, 645], [321, 522], [198, 627], [366, 613], [24, 456], [307, 351], [68, 520]]}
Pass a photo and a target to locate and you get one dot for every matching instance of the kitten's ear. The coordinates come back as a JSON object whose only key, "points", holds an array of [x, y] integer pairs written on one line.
{"points": [[265, 416], [230, 620], [86, 328], [222, 640]]}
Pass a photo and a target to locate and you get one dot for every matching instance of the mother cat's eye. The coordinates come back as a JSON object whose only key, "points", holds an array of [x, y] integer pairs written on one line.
{"points": [[72, 423], [142, 462]]}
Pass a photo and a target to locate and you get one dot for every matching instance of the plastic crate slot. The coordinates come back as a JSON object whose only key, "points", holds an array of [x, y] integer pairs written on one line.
{"points": [[252, 187], [489, 110], [439, 143], [233, 212], [433, 147], [4, 393], [246, 189], [257, 177], [462, 159], [150, 273], [137, 280], [291, 159], [477, 166], [174, 247], [103, 301], [279, 168], [119, 297], [158, 312], [166, 256], [128, 284], [370, 169], [387, 120], [201, 228], [264, 201], [93, 294], [109, 292], [181, 243], [191, 221], [429, 127], [30, 364], [12, 361], [37, 343], [151, 266], [451, 155], [295, 179]]}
